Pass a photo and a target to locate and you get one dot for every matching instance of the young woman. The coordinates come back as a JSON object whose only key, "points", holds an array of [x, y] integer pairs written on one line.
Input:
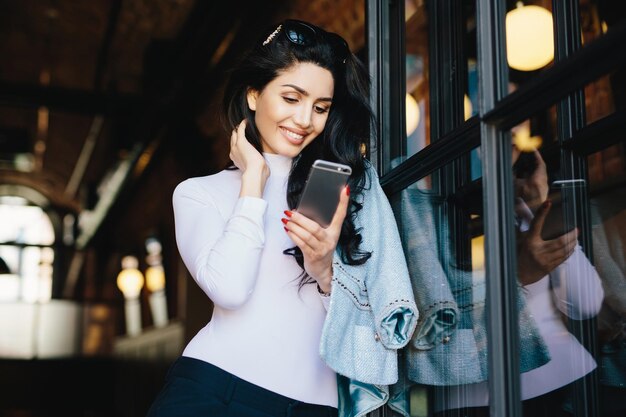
{"points": [[297, 96]]}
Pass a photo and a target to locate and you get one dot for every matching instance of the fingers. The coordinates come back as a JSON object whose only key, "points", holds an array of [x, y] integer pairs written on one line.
{"points": [[342, 209], [558, 250], [241, 129], [233, 144], [310, 237], [539, 159], [536, 225], [565, 244]]}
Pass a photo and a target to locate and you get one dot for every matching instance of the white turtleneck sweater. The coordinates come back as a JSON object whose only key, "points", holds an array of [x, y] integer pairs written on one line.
{"points": [[263, 329]]}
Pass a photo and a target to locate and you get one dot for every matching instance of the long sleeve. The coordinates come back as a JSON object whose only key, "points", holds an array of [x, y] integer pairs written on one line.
{"points": [[438, 308], [576, 287], [222, 254], [388, 282]]}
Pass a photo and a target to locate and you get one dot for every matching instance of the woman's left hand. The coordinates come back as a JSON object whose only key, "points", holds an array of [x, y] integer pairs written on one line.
{"points": [[317, 243]]}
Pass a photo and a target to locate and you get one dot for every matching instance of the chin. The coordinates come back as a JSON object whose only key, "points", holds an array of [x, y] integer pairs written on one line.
{"points": [[291, 153]]}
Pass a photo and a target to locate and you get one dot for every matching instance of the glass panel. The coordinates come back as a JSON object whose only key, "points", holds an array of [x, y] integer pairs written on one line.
{"points": [[470, 98], [607, 94], [560, 289], [442, 237], [607, 183], [534, 133], [416, 60], [530, 48]]}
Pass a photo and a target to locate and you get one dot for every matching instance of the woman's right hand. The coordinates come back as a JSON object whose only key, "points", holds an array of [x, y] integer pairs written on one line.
{"points": [[254, 169], [537, 257]]}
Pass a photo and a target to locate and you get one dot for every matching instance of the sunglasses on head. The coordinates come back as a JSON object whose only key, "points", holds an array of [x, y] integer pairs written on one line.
{"points": [[303, 34]]}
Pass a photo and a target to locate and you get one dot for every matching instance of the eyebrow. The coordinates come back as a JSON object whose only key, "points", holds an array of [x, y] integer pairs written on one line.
{"points": [[306, 93]]}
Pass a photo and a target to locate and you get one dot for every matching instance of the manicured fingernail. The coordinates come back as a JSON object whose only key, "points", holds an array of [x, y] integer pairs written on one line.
{"points": [[347, 190], [286, 230], [285, 221], [288, 213]]}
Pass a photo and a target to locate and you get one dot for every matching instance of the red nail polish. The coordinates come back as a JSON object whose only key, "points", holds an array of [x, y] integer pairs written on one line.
{"points": [[347, 190], [288, 213], [286, 230], [285, 221]]}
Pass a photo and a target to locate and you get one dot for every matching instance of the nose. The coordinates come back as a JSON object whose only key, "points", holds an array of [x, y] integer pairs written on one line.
{"points": [[303, 115]]}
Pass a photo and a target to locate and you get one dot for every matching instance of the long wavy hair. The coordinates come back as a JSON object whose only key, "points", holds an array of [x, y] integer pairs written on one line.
{"points": [[347, 126]]}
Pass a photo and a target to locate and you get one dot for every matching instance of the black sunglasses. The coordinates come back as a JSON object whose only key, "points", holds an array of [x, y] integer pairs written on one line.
{"points": [[303, 34]]}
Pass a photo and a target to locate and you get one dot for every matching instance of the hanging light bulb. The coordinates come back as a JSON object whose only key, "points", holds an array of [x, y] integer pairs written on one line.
{"points": [[412, 114], [155, 281], [130, 281], [529, 37]]}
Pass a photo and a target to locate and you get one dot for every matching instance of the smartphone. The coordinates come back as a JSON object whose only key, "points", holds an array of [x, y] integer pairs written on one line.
{"points": [[562, 217], [320, 196]]}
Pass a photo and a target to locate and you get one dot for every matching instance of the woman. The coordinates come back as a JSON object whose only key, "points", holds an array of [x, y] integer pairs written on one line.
{"points": [[297, 96]]}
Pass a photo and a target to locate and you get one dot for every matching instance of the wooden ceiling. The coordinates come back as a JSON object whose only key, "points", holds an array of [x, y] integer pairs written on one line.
{"points": [[84, 86]]}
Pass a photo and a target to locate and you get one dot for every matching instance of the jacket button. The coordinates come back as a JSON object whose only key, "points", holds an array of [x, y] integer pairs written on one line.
{"points": [[376, 337], [446, 339]]}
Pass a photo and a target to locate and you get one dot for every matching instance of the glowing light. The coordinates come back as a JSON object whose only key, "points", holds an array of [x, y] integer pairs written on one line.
{"points": [[529, 37], [155, 278], [412, 114], [523, 141], [130, 279], [467, 107]]}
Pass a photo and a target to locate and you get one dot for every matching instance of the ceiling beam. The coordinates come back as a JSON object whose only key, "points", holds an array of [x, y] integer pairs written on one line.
{"points": [[103, 53], [66, 100]]}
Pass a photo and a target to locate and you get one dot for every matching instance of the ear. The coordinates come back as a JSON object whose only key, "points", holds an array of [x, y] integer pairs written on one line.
{"points": [[251, 97]]}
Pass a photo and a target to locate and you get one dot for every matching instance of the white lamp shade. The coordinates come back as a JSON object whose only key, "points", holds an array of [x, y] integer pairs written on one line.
{"points": [[529, 38]]}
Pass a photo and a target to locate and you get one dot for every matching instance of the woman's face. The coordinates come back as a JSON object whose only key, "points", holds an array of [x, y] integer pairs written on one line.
{"points": [[292, 109]]}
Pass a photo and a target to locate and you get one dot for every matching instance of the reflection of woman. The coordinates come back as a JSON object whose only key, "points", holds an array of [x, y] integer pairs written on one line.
{"points": [[556, 279], [298, 95]]}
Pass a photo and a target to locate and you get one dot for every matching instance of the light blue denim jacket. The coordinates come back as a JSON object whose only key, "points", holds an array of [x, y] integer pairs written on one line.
{"points": [[372, 312], [449, 346]]}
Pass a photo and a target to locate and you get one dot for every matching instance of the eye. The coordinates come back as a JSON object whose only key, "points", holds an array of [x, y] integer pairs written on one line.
{"points": [[290, 99], [320, 109]]}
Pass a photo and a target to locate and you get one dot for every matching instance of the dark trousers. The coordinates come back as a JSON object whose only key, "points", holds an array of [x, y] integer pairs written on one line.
{"points": [[194, 388]]}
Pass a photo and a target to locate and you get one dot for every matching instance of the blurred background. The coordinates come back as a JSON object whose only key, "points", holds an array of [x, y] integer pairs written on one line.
{"points": [[106, 105]]}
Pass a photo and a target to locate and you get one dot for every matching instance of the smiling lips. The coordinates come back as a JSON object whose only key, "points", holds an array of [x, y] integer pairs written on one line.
{"points": [[292, 136]]}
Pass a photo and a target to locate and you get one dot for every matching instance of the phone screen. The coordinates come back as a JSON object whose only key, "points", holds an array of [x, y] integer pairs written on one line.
{"points": [[320, 196], [562, 217]]}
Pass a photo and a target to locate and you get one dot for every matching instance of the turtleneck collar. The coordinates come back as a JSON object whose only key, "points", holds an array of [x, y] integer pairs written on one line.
{"points": [[278, 164]]}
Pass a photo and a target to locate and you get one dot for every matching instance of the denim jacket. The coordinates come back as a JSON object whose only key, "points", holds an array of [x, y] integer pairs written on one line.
{"points": [[372, 312], [449, 346]]}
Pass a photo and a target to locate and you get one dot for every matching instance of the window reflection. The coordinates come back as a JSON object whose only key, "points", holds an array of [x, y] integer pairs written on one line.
{"points": [[417, 93], [608, 220], [559, 291]]}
